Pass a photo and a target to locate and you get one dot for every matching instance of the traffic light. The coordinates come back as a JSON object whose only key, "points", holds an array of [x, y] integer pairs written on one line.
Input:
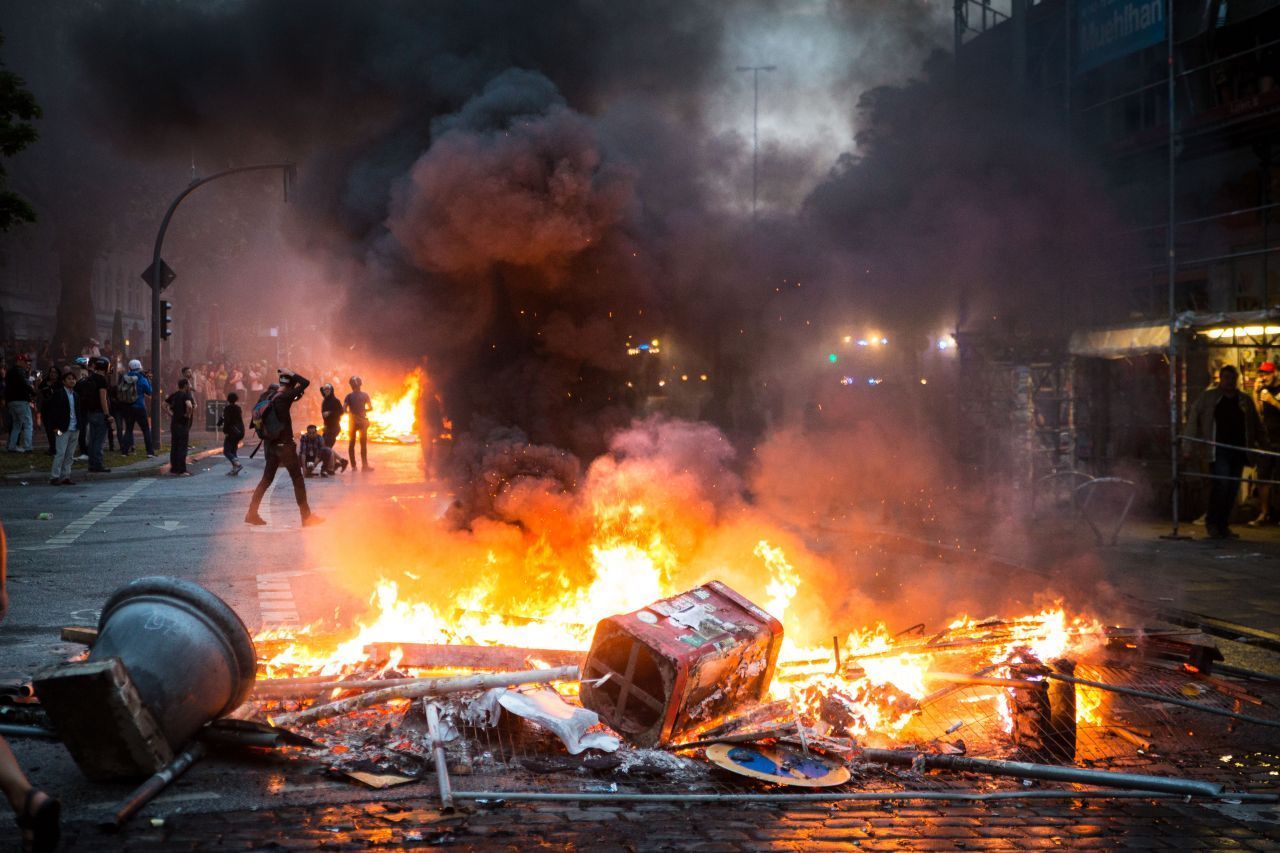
{"points": [[166, 321]]}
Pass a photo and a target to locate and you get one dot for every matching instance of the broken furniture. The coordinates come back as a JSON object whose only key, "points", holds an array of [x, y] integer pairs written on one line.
{"points": [[680, 663]]}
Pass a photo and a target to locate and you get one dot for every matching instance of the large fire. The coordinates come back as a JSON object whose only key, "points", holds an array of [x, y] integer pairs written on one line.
{"points": [[631, 560], [394, 416]]}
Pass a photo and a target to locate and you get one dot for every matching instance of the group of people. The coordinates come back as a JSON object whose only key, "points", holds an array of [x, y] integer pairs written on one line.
{"points": [[83, 407], [272, 419], [1227, 428]]}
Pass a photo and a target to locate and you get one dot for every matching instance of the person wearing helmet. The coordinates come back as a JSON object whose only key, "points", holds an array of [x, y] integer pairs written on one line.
{"points": [[357, 405], [1266, 394], [135, 413], [331, 414]]}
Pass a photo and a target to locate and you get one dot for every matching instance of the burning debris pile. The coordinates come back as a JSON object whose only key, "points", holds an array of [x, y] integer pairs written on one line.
{"points": [[664, 699], [705, 678]]}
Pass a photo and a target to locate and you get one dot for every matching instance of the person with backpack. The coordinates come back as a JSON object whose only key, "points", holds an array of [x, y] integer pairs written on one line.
{"points": [[274, 424], [232, 423], [133, 391]]}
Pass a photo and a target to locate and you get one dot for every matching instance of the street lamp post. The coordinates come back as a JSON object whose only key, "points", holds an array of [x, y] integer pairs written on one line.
{"points": [[755, 126], [157, 282]]}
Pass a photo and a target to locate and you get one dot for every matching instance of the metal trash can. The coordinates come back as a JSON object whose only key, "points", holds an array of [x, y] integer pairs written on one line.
{"points": [[169, 657], [185, 649], [680, 663]]}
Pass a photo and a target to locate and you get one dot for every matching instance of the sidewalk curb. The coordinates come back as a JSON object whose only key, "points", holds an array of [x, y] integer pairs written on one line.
{"points": [[145, 468]]}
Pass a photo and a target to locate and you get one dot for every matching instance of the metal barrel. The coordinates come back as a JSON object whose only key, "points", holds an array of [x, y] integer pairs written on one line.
{"points": [[187, 652]]}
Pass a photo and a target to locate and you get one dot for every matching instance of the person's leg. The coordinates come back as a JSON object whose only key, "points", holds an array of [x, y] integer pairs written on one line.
{"points": [[67, 453], [364, 447], [55, 471], [179, 434], [97, 437], [111, 430], [1220, 498], [148, 435], [289, 459], [52, 436], [351, 449], [268, 474], [23, 424]]}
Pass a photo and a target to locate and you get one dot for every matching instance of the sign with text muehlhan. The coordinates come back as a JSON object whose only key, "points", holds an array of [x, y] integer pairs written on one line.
{"points": [[1109, 29]]}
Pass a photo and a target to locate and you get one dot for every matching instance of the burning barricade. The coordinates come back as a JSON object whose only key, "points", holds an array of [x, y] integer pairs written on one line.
{"points": [[666, 698]]}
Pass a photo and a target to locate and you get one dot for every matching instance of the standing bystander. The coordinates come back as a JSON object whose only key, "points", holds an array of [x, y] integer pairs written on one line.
{"points": [[1267, 395], [358, 404], [136, 413], [1227, 424], [64, 413], [97, 407], [19, 398], [181, 407]]}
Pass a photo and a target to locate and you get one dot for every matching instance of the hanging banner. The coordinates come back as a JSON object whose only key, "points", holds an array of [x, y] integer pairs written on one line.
{"points": [[1109, 29]]}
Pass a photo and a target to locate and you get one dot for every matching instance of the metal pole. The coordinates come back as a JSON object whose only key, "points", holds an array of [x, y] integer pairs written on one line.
{"points": [[157, 279], [147, 791], [755, 126], [1172, 270], [1048, 772], [848, 796]]}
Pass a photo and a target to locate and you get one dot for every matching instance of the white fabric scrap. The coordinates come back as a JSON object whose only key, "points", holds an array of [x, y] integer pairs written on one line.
{"points": [[570, 724], [484, 710]]}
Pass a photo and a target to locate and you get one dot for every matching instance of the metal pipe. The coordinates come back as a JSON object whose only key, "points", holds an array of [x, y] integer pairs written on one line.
{"points": [[1047, 772], [1172, 273], [274, 690], [147, 791], [437, 748], [14, 730], [1159, 697], [427, 687], [849, 796]]}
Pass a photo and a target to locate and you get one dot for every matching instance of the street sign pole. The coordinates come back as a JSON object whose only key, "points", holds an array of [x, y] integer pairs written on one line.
{"points": [[158, 277]]}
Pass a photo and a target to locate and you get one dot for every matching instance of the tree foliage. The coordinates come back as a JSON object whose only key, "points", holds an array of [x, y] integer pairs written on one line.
{"points": [[18, 108]]}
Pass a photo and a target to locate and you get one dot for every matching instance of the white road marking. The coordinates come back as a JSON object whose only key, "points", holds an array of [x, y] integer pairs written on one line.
{"points": [[77, 528], [275, 599]]}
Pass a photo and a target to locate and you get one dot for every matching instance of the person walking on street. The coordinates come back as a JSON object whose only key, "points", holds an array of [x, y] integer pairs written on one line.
{"points": [[274, 421], [135, 414], [181, 407], [358, 404], [97, 408], [1229, 422], [232, 423], [19, 398], [331, 414], [64, 414]]}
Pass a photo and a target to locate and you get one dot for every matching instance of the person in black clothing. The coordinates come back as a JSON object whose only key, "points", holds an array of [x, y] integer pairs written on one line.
{"points": [[97, 407], [358, 405], [232, 423], [1267, 396], [277, 437], [331, 414], [63, 413], [50, 384], [181, 405], [1226, 423]]}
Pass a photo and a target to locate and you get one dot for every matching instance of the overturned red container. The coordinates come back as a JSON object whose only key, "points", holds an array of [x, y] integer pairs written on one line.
{"points": [[680, 663]]}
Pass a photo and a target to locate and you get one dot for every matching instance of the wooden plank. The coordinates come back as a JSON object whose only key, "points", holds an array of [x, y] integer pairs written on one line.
{"points": [[500, 658], [100, 717], [81, 634]]}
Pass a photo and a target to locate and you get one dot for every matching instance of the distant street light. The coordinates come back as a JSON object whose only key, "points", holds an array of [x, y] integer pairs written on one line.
{"points": [[755, 127], [155, 274]]}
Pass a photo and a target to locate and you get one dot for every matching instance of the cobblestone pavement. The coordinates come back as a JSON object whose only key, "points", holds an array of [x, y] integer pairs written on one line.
{"points": [[1074, 824]]}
